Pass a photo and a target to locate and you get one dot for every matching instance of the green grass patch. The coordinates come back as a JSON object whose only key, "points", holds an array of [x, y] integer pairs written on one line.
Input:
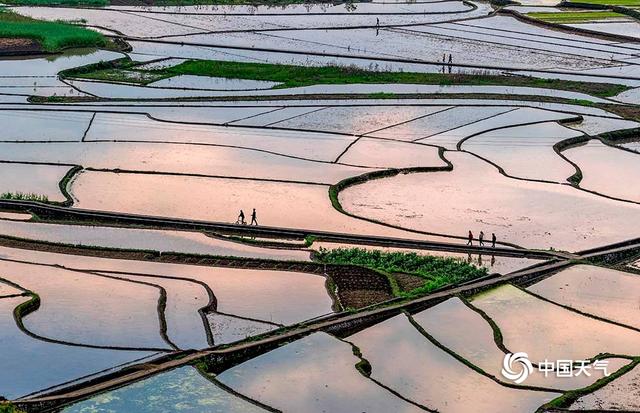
{"points": [[124, 70], [574, 16], [53, 36], [19, 196], [436, 271]]}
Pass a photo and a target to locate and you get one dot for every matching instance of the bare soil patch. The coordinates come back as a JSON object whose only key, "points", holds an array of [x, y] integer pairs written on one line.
{"points": [[16, 47]]}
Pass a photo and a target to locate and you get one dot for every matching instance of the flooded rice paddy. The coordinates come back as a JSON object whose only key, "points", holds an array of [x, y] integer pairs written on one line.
{"points": [[165, 233]]}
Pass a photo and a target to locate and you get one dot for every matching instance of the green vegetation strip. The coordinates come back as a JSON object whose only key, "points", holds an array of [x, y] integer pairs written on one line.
{"points": [[437, 272], [570, 397], [574, 17], [124, 70], [19, 196], [53, 36]]}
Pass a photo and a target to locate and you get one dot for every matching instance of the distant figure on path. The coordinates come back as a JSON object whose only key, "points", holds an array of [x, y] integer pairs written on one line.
{"points": [[241, 218], [481, 238], [450, 58], [470, 242], [493, 240], [254, 217], [444, 58], [378, 21]]}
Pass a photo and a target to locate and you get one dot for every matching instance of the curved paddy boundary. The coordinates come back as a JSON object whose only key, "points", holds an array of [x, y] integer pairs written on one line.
{"points": [[335, 190], [609, 139], [331, 272], [570, 397], [223, 357], [62, 185], [28, 307], [368, 57], [334, 194], [244, 95], [88, 376], [567, 29], [582, 313], [543, 38], [364, 367], [472, 8], [499, 337], [470, 364], [76, 215], [280, 14], [211, 305], [577, 176], [232, 392], [161, 307]]}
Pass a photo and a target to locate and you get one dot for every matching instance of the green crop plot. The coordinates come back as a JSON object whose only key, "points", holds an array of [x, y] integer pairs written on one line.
{"points": [[575, 17], [53, 36]]}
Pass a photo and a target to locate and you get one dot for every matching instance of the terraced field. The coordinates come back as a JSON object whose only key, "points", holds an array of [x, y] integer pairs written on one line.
{"points": [[361, 207]]}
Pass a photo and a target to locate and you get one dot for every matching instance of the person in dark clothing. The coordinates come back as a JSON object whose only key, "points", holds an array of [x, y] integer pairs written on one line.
{"points": [[470, 242], [254, 217], [377, 21], [241, 218], [481, 238], [493, 240], [450, 58]]}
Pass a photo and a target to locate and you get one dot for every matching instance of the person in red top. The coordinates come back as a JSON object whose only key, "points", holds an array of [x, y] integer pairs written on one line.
{"points": [[470, 242]]}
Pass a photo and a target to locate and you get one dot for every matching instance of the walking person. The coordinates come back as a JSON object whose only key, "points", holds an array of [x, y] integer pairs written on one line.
{"points": [[450, 58], [254, 217], [470, 242], [444, 58], [377, 22], [493, 240], [241, 218], [481, 238]]}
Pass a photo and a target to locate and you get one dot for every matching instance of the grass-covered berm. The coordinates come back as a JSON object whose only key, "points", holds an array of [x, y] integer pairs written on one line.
{"points": [[52, 36], [288, 76], [435, 272]]}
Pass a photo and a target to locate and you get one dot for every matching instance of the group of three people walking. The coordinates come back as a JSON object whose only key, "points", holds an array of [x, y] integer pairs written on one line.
{"points": [[481, 239]]}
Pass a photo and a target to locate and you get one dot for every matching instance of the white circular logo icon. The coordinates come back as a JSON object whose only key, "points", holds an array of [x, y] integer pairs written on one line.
{"points": [[516, 367]]}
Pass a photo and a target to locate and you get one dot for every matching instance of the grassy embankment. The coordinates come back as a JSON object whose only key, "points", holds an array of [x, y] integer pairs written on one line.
{"points": [[295, 76], [19, 196], [52, 36], [435, 271], [575, 16]]}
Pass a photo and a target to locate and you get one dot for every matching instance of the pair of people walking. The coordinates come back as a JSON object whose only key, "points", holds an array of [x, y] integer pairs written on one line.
{"points": [[254, 218], [481, 239]]}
